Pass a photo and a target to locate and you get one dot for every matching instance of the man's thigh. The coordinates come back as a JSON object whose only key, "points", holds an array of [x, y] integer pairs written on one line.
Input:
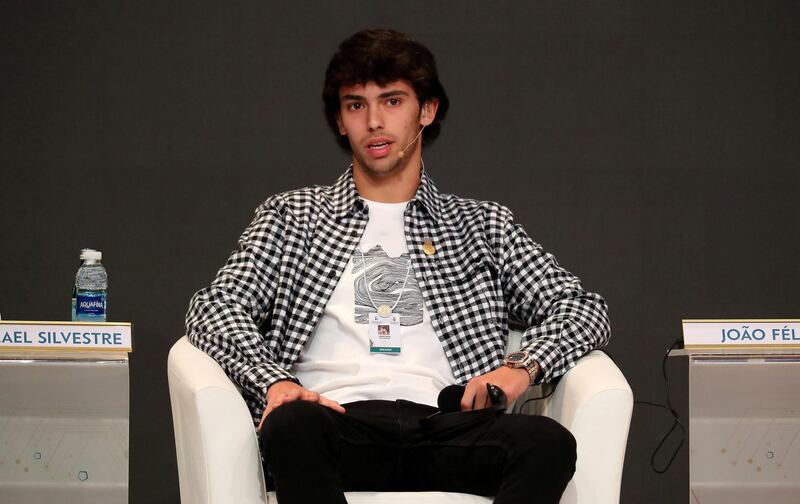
{"points": [[476, 458], [360, 446], [384, 446]]}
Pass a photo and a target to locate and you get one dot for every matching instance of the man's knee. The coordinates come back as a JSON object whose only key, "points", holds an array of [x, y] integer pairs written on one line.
{"points": [[294, 423], [539, 447], [540, 436], [557, 437]]}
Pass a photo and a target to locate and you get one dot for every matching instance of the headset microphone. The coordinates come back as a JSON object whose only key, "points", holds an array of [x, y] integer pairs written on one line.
{"points": [[404, 149]]}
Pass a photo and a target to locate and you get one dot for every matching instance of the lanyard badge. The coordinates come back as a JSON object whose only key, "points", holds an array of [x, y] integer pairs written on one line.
{"points": [[384, 325], [384, 333]]}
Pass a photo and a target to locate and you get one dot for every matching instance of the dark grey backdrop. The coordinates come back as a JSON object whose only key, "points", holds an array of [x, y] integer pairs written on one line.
{"points": [[652, 146]]}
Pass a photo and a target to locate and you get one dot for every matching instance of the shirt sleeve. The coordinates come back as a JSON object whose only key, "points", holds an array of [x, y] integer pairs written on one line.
{"points": [[563, 320], [224, 318]]}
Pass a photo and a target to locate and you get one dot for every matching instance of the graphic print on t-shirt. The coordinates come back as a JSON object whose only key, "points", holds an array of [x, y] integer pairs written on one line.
{"points": [[386, 275]]}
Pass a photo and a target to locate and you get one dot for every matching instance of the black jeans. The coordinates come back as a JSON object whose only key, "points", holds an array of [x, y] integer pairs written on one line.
{"points": [[313, 454]]}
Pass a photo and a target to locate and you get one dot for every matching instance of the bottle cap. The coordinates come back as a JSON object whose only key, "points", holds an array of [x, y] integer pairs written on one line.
{"points": [[83, 252], [94, 255]]}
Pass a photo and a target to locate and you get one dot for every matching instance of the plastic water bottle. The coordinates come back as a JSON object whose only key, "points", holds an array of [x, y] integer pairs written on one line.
{"points": [[91, 283], [74, 289]]}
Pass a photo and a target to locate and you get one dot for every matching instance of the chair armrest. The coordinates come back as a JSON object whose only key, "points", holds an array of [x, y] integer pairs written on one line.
{"points": [[215, 441], [594, 401], [594, 377]]}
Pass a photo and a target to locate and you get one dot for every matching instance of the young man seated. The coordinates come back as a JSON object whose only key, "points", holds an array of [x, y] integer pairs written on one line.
{"points": [[347, 309]]}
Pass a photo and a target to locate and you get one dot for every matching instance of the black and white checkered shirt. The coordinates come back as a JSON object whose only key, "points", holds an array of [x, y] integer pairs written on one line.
{"points": [[265, 302]]}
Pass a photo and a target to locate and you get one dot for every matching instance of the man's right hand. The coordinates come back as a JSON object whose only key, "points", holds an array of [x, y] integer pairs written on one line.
{"points": [[285, 391]]}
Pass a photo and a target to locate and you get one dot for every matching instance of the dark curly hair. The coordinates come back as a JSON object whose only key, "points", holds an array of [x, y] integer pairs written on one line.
{"points": [[383, 56]]}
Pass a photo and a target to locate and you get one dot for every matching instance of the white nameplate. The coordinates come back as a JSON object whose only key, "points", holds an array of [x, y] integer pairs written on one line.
{"points": [[741, 333], [87, 336]]}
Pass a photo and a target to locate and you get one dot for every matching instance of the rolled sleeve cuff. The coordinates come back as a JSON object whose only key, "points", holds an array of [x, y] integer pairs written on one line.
{"points": [[547, 354], [259, 378]]}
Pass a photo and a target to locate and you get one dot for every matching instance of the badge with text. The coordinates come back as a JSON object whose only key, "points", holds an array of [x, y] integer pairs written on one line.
{"points": [[384, 333]]}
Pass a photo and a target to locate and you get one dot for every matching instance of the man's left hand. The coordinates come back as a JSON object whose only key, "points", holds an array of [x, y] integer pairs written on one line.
{"points": [[513, 381]]}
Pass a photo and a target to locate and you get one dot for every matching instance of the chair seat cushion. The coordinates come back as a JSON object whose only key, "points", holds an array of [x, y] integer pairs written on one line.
{"points": [[406, 498]]}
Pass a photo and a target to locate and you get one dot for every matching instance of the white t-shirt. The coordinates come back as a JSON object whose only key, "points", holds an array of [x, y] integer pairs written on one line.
{"points": [[336, 361]]}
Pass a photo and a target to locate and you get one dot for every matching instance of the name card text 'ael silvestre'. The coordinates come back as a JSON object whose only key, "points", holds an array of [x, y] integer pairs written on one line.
{"points": [[65, 335], [741, 333]]}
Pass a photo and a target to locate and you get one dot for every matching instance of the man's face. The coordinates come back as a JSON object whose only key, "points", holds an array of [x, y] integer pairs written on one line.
{"points": [[379, 122]]}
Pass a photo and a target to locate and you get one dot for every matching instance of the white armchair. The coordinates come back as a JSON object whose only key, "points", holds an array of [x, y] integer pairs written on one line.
{"points": [[219, 460]]}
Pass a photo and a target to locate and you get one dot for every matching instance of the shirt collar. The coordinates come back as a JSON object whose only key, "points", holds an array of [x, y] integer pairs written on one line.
{"points": [[344, 196], [428, 196]]}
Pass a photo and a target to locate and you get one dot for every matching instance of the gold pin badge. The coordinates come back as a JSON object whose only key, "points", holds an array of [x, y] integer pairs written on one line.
{"points": [[428, 248]]}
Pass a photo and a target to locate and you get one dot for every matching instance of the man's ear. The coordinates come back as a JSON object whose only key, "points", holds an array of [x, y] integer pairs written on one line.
{"points": [[428, 112], [342, 131]]}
